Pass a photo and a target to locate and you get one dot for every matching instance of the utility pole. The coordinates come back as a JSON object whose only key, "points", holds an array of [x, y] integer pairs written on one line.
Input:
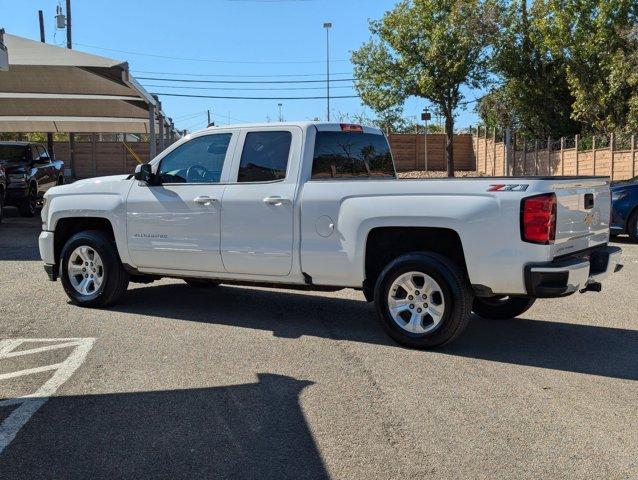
{"points": [[328, 26], [69, 45], [43, 40], [281, 117]]}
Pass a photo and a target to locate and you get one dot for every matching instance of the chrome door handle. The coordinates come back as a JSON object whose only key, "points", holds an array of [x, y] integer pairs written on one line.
{"points": [[204, 200], [277, 201]]}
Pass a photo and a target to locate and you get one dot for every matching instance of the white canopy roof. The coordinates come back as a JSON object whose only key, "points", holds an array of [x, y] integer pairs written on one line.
{"points": [[53, 89]]}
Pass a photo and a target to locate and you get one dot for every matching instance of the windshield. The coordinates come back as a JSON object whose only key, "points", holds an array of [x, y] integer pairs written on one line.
{"points": [[13, 153]]}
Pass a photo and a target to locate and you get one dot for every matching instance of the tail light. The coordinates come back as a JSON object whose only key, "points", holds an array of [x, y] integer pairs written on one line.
{"points": [[538, 219], [348, 127]]}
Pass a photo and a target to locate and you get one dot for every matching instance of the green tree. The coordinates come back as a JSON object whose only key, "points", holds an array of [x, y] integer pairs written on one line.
{"points": [[598, 42], [533, 95], [427, 49], [496, 109]]}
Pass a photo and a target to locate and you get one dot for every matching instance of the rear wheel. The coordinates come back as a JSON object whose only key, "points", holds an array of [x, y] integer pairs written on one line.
{"points": [[91, 272], [201, 283], [632, 226], [501, 307], [423, 300], [27, 207]]}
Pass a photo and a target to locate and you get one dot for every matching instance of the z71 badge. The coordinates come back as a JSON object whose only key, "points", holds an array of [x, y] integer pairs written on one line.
{"points": [[512, 187]]}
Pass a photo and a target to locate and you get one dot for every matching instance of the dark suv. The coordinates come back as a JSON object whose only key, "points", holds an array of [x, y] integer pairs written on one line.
{"points": [[30, 173]]}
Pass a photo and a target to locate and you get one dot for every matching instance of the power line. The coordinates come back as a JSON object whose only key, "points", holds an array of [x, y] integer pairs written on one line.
{"points": [[250, 98], [188, 80], [243, 89], [240, 76], [207, 60]]}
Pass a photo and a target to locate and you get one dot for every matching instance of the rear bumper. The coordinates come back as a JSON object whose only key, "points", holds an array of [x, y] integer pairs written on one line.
{"points": [[576, 273]]}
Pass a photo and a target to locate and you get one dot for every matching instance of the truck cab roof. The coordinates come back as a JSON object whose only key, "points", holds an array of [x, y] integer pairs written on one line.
{"points": [[17, 144], [320, 126]]}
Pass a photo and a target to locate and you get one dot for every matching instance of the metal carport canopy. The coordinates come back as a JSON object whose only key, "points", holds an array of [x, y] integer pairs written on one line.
{"points": [[53, 89]]}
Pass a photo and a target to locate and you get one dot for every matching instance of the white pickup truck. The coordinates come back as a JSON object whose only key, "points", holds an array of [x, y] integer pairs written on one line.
{"points": [[318, 206]]}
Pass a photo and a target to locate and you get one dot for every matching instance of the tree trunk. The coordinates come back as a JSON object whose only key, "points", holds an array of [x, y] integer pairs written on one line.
{"points": [[449, 144]]}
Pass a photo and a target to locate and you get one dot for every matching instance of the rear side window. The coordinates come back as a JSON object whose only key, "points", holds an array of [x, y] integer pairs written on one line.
{"points": [[351, 154], [264, 157]]}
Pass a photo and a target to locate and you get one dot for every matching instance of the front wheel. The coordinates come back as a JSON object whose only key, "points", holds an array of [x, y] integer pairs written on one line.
{"points": [[90, 270], [501, 307], [28, 206], [423, 300]]}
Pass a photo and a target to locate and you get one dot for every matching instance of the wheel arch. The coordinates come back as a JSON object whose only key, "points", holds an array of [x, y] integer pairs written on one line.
{"points": [[384, 244], [632, 211], [66, 227]]}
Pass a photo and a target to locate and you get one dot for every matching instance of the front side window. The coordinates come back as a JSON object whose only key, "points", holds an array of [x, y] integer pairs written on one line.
{"points": [[265, 156], [351, 154], [199, 160]]}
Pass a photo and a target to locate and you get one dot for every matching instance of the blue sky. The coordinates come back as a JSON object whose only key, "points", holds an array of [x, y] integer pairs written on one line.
{"points": [[223, 40]]}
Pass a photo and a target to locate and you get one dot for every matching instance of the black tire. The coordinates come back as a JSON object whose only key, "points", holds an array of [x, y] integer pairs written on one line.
{"points": [[60, 180], [115, 281], [201, 283], [501, 307], [28, 206], [455, 291], [1, 204], [632, 224]]}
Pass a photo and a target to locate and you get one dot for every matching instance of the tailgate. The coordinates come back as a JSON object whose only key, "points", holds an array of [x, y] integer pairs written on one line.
{"points": [[583, 213]]}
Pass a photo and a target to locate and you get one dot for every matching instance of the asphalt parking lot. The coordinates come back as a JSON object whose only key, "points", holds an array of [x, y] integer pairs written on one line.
{"points": [[239, 382]]}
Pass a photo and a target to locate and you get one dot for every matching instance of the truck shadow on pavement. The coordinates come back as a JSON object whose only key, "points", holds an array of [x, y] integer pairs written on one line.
{"points": [[594, 350], [254, 430]]}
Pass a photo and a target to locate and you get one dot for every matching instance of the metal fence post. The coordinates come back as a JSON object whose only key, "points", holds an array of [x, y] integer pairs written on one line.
{"points": [[633, 156], [536, 157], [612, 140], [550, 170], [562, 156], [514, 154], [525, 156], [593, 148], [576, 142], [494, 152]]}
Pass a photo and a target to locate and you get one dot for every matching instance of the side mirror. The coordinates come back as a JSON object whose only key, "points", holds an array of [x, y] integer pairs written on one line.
{"points": [[144, 173]]}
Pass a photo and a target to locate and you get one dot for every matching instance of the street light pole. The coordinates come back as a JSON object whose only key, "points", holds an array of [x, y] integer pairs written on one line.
{"points": [[328, 26], [425, 116]]}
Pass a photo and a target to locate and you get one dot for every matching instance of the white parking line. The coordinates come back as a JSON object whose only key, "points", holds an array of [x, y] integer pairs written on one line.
{"points": [[29, 404]]}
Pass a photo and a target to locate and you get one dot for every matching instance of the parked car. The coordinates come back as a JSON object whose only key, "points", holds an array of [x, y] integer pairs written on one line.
{"points": [[31, 172], [624, 208], [3, 190], [318, 206]]}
